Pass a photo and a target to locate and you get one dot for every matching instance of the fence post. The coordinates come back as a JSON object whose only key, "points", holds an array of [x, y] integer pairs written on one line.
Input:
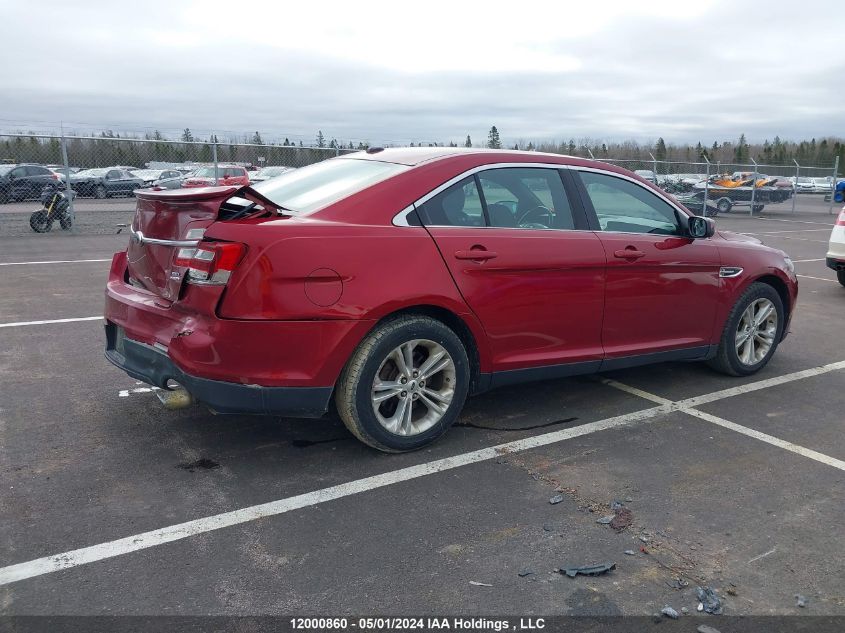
{"points": [[654, 166], [68, 189], [590, 152], [833, 184], [337, 150], [753, 188], [795, 184], [706, 186], [214, 158]]}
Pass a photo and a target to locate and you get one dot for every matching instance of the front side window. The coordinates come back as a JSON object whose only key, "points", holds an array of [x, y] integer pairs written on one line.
{"points": [[625, 207], [527, 198]]}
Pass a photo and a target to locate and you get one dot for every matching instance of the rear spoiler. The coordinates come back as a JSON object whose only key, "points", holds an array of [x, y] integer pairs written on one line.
{"points": [[205, 193], [186, 195]]}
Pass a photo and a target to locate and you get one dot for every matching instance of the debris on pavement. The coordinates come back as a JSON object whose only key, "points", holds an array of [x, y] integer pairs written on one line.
{"points": [[707, 629], [730, 591], [677, 583], [606, 520], [479, 584], [669, 612], [616, 505], [644, 539], [526, 572], [801, 601], [556, 499], [684, 610], [588, 570], [548, 527], [623, 518], [709, 601], [630, 552]]}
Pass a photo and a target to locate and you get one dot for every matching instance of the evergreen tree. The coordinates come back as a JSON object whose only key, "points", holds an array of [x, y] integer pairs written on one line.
{"points": [[741, 154], [468, 142], [187, 137], [660, 149], [493, 141], [256, 139], [287, 142], [321, 140]]}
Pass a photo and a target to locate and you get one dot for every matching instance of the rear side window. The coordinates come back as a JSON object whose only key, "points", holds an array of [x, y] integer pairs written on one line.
{"points": [[625, 207], [458, 205], [310, 188]]}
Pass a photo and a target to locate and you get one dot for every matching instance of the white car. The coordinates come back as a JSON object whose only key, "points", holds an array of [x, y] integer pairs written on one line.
{"points": [[836, 249], [804, 184], [822, 185]]}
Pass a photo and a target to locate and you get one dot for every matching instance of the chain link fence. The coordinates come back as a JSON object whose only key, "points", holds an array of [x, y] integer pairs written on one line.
{"points": [[104, 171]]}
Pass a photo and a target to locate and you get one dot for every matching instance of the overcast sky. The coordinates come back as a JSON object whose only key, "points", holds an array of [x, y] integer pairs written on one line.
{"points": [[428, 71]]}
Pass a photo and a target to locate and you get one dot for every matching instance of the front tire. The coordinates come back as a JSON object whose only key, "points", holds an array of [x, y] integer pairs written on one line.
{"points": [[40, 222], [752, 332], [100, 192], [405, 385], [724, 205], [65, 221]]}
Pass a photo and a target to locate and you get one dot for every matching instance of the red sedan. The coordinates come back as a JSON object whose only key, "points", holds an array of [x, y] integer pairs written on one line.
{"points": [[224, 175], [400, 281]]}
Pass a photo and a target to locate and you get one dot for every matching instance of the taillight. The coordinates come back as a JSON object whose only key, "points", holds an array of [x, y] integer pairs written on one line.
{"points": [[840, 221], [213, 262], [55, 176]]}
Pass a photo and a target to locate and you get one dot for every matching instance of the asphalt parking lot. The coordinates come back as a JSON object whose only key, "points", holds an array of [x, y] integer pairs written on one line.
{"points": [[735, 484]]}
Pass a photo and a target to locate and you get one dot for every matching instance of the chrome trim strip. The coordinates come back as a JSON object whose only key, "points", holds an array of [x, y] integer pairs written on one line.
{"points": [[139, 237], [726, 272]]}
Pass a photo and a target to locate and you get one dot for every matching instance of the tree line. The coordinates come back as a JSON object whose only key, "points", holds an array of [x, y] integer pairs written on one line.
{"points": [[110, 148]]}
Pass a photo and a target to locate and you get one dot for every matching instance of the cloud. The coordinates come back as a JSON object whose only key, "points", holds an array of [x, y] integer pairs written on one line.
{"points": [[381, 72]]}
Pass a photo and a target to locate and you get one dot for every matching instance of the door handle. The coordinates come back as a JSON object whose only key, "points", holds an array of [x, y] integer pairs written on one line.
{"points": [[476, 255], [629, 253]]}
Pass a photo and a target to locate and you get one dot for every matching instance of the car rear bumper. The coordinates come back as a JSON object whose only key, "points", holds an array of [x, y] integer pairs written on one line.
{"points": [[155, 367], [234, 366], [836, 264]]}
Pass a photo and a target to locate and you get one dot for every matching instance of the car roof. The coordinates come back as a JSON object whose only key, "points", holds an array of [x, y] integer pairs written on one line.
{"points": [[412, 156]]}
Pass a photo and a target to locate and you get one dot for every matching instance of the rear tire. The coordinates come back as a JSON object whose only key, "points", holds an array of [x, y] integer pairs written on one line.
{"points": [[749, 339], [40, 222], [840, 275], [724, 205], [100, 192], [374, 390], [65, 222]]}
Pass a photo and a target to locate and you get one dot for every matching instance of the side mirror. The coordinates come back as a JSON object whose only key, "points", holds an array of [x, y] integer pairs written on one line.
{"points": [[700, 227]]}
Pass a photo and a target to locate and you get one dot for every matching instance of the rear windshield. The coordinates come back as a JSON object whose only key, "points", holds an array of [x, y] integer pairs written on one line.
{"points": [[319, 185], [5, 169], [93, 172]]}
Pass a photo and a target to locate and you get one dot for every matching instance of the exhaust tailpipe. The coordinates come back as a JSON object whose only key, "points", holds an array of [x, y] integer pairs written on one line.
{"points": [[176, 397]]}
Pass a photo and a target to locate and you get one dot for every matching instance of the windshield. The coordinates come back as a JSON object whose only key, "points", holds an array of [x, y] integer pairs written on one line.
{"points": [[5, 169], [316, 186]]}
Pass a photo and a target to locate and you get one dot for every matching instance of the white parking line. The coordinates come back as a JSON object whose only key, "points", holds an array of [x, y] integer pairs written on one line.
{"points": [[803, 261], [817, 278], [769, 439], [55, 261], [794, 231], [85, 555], [795, 221], [25, 323]]}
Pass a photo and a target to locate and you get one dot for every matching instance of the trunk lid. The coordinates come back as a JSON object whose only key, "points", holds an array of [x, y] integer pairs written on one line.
{"points": [[166, 222]]}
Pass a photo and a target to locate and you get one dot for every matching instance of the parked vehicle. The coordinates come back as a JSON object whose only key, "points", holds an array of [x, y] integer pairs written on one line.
{"points": [[399, 281], [226, 175], [149, 176], [804, 184], [836, 248], [24, 182], [56, 201], [822, 185], [838, 192], [694, 201], [105, 182], [265, 173]]}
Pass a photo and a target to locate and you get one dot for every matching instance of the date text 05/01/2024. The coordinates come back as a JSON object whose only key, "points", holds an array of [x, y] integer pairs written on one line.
{"points": [[417, 623]]}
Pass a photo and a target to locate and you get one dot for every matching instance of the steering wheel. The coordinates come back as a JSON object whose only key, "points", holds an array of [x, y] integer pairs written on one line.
{"points": [[544, 212]]}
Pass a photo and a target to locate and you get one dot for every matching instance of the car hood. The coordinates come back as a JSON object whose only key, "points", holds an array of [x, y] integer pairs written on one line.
{"points": [[738, 237]]}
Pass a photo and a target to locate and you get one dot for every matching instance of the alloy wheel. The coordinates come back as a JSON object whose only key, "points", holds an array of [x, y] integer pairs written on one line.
{"points": [[413, 387], [756, 331]]}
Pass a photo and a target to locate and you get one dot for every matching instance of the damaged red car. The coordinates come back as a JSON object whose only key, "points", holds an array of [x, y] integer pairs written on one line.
{"points": [[398, 282]]}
